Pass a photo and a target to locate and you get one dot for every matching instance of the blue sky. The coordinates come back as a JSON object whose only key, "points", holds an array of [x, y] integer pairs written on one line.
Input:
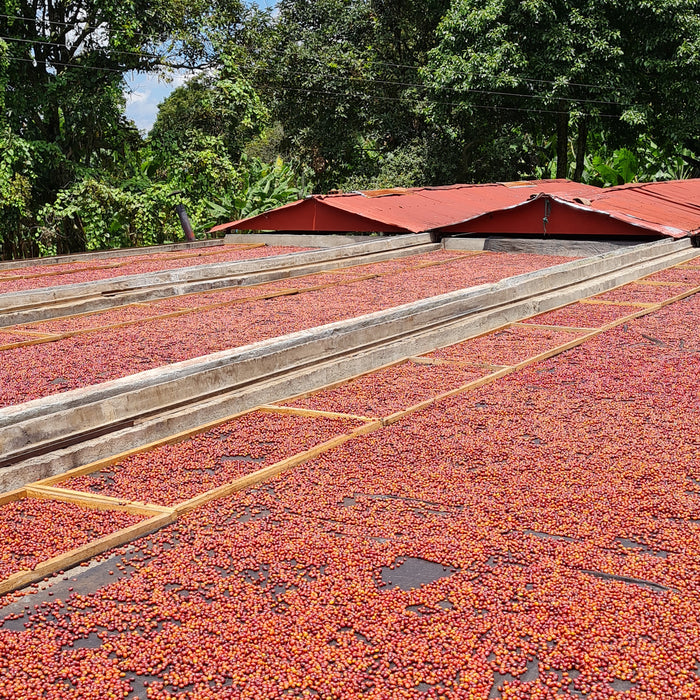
{"points": [[146, 91]]}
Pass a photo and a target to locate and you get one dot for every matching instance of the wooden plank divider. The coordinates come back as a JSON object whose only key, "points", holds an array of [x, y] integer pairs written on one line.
{"points": [[565, 329], [422, 360], [310, 412], [22, 331], [95, 501], [68, 559], [654, 283], [11, 496], [605, 302], [265, 473]]}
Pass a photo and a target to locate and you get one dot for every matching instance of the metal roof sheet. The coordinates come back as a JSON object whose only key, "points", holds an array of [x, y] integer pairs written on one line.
{"points": [[662, 208], [409, 210]]}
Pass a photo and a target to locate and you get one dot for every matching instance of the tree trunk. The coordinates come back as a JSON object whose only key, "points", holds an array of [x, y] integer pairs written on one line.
{"points": [[581, 142], [562, 142]]}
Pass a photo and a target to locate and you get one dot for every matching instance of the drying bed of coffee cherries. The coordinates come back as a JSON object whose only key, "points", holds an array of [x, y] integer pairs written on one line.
{"points": [[35, 277], [686, 274], [173, 473], [260, 292], [538, 537], [584, 315], [392, 389], [506, 346], [149, 309], [645, 293], [33, 530], [40, 370]]}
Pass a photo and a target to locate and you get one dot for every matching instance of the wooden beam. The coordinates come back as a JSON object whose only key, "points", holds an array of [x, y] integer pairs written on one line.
{"points": [[23, 331], [274, 469], [565, 329], [653, 283], [310, 412], [95, 501], [10, 496], [605, 302], [69, 559]]}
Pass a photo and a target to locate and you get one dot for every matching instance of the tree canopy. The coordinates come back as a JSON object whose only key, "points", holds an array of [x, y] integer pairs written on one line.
{"points": [[549, 68], [327, 94]]}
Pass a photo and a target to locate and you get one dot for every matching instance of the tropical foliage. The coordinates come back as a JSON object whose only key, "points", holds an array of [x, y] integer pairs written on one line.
{"points": [[330, 94]]}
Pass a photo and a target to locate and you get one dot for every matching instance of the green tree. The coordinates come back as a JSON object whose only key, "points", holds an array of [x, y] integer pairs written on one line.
{"points": [[547, 69], [340, 76], [221, 103], [63, 72]]}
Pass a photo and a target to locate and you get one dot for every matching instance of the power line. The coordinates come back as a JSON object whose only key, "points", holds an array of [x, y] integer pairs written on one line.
{"points": [[69, 65], [40, 42], [282, 53], [516, 77], [102, 68], [386, 98], [476, 91]]}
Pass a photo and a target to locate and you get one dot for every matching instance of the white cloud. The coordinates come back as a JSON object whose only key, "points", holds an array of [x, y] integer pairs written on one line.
{"points": [[145, 91], [137, 96]]}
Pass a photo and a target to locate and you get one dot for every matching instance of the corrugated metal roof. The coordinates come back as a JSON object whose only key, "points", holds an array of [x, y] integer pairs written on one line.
{"points": [[570, 208], [668, 207], [403, 210]]}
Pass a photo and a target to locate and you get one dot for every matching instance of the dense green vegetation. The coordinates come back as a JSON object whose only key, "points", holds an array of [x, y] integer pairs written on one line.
{"points": [[327, 94]]}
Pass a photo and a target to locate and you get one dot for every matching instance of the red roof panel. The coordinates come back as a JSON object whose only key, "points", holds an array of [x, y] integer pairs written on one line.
{"points": [[662, 208], [403, 210]]}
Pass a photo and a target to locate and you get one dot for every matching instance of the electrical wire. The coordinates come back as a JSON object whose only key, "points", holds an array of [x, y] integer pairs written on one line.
{"points": [[476, 91], [80, 66], [498, 108], [40, 42], [354, 95], [124, 30]]}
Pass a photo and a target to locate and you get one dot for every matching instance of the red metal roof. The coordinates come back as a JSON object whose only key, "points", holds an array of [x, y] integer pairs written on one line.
{"points": [[400, 211], [661, 208], [669, 209], [673, 207]]}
